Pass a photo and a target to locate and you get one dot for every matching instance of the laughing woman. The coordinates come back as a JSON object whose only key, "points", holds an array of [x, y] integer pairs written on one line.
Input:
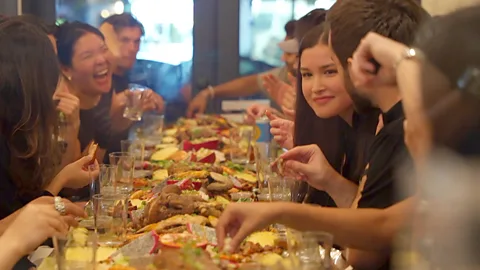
{"points": [[84, 60]]}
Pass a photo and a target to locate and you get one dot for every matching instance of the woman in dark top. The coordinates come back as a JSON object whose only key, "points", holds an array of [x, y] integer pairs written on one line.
{"points": [[84, 60], [325, 117], [28, 122], [442, 111]]}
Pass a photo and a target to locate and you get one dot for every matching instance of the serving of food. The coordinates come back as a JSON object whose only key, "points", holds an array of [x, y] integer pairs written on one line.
{"points": [[179, 194]]}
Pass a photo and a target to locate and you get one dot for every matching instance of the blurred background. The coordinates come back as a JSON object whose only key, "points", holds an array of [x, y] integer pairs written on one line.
{"points": [[188, 42]]}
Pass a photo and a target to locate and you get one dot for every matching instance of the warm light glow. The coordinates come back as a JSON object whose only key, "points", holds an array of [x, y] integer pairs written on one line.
{"points": [[118, 7], [105, 13]]}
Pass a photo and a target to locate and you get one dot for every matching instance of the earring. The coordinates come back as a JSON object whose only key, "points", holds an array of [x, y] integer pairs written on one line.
{"points": [[69, 78]]}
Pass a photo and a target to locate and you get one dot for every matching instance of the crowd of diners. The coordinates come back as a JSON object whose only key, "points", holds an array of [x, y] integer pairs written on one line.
{"points": [[369, 88]]}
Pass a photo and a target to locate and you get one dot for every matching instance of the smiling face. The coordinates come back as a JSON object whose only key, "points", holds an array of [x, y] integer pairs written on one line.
{"points": [[322, 83], [91, 71]]}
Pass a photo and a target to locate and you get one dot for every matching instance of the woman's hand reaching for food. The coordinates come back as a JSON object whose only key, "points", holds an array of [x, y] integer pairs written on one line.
{"points": [[256, 111], [48, 222], [282, 130], [310, 162], [239, 220], [152, 101]]}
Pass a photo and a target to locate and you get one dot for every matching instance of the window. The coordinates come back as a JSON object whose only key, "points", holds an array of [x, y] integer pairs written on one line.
{"points": [[262, 27]]}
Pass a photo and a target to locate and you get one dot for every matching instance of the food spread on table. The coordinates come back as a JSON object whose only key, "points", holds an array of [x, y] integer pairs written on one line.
{"points": [[179, 194]]}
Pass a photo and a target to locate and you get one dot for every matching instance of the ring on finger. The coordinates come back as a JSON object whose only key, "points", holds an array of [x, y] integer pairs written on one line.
{"points": [[59, 205]]}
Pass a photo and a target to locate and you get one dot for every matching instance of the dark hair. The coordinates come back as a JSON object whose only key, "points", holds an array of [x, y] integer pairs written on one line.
{"points": [[310, 20], [28, 119], [350, 20], [124, 20], [344, 151], [67, 36], [451, 79], [290, 28], [48, 29]]}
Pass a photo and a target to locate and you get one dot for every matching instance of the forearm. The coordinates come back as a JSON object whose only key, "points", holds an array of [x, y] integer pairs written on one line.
{"points": [[57, 184], [241, 87], [72, 152], [119, 123], [8, 257], [367, 229], [341, 190], [4, 223]]}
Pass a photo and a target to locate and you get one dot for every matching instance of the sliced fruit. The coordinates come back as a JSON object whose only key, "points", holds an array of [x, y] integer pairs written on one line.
{"points": [[203, 232], [161, 174], [171, 132], [164, 154], [178, 240], [263, 238], [187, 145], [246, 177], [208, 159], [146, 244], [268, 259], [84, 254], [222, 200], [138, 203], [213, 221]]}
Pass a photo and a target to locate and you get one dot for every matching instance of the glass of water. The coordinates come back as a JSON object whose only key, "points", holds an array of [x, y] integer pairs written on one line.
{"points": [[124, 163], [240, 145], [135, 148], [133, 107], [110, 219], [304, 248]]}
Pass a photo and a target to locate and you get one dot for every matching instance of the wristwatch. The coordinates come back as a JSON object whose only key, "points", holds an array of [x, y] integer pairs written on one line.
{"points": [[407, 54]]}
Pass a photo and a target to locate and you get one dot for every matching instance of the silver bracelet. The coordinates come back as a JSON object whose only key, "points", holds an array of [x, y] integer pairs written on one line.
{"points": [[407, 54], [211, 92]]}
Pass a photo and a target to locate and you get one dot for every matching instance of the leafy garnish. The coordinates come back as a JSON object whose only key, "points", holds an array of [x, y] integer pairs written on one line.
{"points": [[235, 166]]}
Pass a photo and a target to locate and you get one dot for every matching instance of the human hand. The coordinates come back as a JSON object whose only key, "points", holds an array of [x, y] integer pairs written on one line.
{"points": [[309, 162], [48, 223], [384, 51], [75, 176], [277, 88], [198, 104], [289, 113], [152, 101], [241, 219], [68, 104], [254, 112], [282, 130]]}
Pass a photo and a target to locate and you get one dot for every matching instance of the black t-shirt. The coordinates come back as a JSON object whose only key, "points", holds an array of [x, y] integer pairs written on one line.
{"points": [[120, 83], [10, 199], [356, 140], [95, 125], [387, 154]]}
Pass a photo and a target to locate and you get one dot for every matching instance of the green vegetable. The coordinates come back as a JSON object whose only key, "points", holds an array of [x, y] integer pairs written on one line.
{"points": [[235, 166], [163, 164]]}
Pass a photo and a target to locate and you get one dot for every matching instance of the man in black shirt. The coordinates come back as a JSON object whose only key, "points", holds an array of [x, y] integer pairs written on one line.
{"points": [[349, 21], [123, 34]]}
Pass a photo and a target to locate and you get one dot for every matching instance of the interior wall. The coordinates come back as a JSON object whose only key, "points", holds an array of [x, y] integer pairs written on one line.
{"points": [[441, 7]]}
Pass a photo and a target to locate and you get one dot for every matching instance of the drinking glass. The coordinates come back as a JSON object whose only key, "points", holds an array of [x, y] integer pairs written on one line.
{"points": [[153, 128], [133, 108], [304, 248], [136, 148], [63, 247], [99, 185], [110, 219], [125, 166], [240, 145]]}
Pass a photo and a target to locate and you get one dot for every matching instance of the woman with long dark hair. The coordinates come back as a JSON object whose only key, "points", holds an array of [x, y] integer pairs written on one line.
{"points": [[440, 87], [29, 125]]}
